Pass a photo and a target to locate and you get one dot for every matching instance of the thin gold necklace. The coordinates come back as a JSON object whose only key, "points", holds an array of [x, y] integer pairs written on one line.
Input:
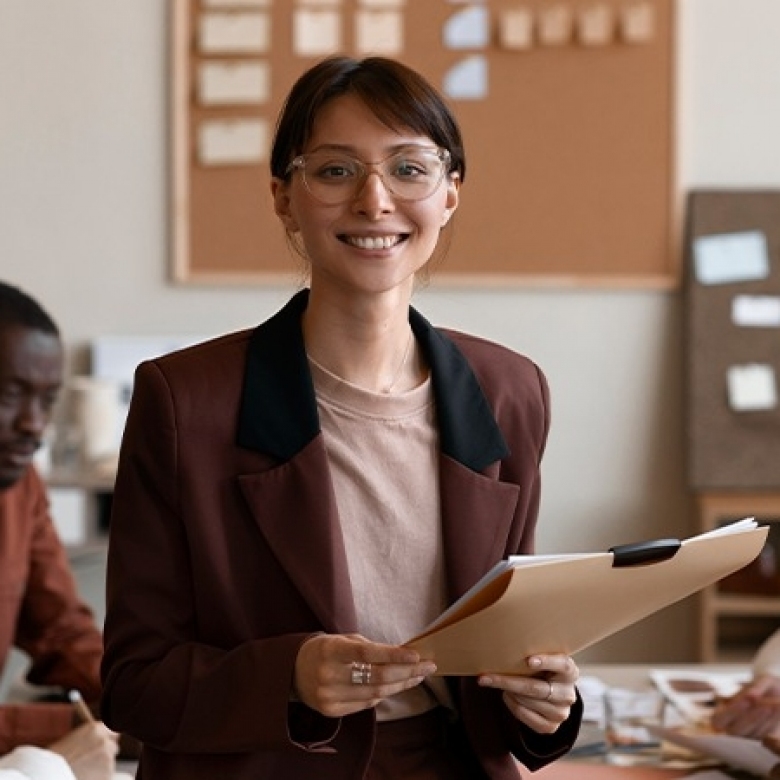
{"points": [[389, 388]]}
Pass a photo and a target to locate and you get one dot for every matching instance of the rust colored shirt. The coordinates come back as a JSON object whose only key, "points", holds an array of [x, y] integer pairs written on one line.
{"points": [[42, 615]]}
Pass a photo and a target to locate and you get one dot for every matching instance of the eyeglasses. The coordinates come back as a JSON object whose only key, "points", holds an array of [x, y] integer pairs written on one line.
{"points": [[332, 177]]}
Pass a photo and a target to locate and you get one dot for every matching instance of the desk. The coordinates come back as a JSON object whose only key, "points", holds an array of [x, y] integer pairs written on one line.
{"points": [[629, 676]]}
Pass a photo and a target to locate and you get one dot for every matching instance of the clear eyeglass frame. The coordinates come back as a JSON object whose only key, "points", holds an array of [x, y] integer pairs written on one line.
{"points": [[341, 188]]}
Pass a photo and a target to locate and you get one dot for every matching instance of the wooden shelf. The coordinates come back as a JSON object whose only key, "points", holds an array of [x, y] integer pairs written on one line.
{"points": [[751, 615]]}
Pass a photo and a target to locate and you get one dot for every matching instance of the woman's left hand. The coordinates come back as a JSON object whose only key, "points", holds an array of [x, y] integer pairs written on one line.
{"points": [[543, 699]]}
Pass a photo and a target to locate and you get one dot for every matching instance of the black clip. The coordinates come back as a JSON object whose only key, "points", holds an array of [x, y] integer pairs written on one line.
{"points": [[641, 553]]}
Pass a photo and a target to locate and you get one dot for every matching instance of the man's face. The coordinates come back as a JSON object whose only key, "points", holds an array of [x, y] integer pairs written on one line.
{"points": [[31, 366]]}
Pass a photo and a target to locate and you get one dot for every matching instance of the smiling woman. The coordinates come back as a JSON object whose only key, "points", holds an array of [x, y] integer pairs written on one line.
{"points": [[339, 457]]}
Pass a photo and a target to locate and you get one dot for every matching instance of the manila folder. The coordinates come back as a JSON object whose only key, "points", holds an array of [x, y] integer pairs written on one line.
{"points": [[563, 605]]}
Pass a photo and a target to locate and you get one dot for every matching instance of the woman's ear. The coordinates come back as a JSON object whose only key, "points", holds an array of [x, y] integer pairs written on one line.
{"points": [[453, 197], [280, 191]]}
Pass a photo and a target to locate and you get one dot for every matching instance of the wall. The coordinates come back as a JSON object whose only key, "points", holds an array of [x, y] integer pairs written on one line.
{"points": [[83, 224]]}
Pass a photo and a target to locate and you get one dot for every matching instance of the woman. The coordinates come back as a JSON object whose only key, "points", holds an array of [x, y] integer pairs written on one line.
{"points": [[295, 502]]}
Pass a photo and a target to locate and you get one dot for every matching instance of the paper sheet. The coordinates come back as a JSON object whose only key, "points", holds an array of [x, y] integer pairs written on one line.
{"points": [[228, 83], [316, 33], [233, 142], [379, 32], [236, 33], [756, 311], [467, 79], [731, 257], [467, 29]]}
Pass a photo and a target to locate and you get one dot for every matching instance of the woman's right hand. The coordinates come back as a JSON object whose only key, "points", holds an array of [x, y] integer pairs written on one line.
{"points": [[90, 751], [326, 665]]}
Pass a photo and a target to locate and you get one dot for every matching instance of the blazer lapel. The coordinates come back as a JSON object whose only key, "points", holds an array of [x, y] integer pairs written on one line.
{"points": [[477, 508], [295, 508]]}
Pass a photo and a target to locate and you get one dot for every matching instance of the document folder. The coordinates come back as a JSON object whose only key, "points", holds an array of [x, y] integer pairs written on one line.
{"points": [[565, 603]]}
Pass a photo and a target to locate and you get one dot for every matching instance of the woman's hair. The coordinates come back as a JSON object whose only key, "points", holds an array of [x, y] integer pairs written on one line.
{"points": [[397, 95], [17, 308]]}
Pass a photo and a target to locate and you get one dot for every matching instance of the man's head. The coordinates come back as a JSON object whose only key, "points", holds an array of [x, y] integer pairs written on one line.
{"points": [[31, 371]]}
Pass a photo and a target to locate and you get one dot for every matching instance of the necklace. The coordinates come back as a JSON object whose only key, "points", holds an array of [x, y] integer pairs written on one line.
{"points": [[396, 377], [399, 371]]}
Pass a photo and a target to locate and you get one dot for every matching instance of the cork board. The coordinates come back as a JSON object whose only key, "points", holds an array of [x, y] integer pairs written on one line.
{"points": [[569, 148], [726, 448]]}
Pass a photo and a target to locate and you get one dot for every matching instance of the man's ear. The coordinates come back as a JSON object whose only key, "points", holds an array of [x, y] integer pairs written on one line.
{"points": [[281, 195]]}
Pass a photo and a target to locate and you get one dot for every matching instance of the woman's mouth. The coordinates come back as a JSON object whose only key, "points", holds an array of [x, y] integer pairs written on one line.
{"points": [[373, 242]]}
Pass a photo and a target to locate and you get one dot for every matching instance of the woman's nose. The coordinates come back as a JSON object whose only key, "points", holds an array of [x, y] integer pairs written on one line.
{"points": [[373, 197]]}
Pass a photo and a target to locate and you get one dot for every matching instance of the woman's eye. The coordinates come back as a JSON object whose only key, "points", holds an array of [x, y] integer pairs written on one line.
{"points": [[336, 170], [409, 169]]}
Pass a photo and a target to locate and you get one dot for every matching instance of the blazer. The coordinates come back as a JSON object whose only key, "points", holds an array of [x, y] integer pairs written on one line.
{"points": [[225, 552]]}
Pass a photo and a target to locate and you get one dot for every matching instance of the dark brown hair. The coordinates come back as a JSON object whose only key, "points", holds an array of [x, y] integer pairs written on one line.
{"points": [[397, 95]]}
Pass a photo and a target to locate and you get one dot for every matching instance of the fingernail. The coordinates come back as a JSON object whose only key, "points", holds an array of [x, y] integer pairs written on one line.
{"points": [[534, 661], [487, 681]]}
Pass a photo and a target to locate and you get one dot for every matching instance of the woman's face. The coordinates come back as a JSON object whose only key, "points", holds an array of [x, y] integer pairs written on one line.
{"points": [[372, 242]]}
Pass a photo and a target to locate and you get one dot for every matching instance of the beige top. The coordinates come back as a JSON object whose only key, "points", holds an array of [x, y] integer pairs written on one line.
{"points": [[382, 450]]}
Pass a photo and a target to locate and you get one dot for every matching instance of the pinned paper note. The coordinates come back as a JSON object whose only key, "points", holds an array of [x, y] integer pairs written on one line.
{"points": [[731, 257], [229, 83], [467, 29], [555, 24], [752, 388], [233, 142], [637, 22], [316, 32], [237, 3], [595, 25], [467, 79], [379, 32], [757, 311], [382, 4], [240, 33], [516, 28]]}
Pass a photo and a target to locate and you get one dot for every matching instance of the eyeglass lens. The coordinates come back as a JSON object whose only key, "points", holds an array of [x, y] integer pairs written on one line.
{"points": [[411, 174]]}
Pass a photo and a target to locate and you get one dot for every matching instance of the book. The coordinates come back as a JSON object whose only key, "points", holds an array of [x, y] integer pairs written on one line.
{"points": [[532, 604]]}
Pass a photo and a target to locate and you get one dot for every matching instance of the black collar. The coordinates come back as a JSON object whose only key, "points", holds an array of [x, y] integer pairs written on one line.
{"points": [[278, 412]]}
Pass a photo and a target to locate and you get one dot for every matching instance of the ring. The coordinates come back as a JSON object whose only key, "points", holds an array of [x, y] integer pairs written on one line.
{"points": [[361, 673], [550, 692]]}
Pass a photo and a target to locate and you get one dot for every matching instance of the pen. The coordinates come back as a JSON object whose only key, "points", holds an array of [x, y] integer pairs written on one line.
{"points": [[78, 702]]}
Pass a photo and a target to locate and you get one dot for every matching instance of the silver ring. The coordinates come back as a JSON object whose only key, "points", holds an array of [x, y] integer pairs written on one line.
{"points": [[361, 673], [550, 692]]}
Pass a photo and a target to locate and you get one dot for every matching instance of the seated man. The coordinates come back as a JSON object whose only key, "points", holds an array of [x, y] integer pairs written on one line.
{"points": [[40, 611], [755, 710]]}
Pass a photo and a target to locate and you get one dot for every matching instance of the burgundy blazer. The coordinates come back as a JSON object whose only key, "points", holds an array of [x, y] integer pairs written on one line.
{"points": [[226, 552]]}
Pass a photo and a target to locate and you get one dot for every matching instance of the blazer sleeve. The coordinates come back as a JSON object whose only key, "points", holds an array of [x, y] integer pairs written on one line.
{"points": [[162, 685]]}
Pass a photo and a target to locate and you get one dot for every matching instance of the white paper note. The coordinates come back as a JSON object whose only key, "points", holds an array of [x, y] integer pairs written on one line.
{"points": [[233, 142], [228, 83], [244, 33], [731, 257], [316, 33], [467, 29], [756, 311], [236, 3], [752, 388], [467, 79], [379, 32]]}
